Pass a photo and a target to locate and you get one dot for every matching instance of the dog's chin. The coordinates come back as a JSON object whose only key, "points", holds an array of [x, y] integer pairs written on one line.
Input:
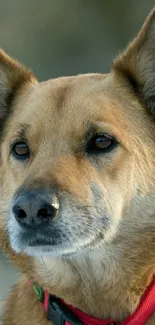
{"points": [[41, 248], [49, 250], [44, 250]]}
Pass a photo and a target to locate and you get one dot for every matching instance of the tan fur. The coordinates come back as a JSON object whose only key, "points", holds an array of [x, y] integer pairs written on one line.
{"points": [[110, 268]]}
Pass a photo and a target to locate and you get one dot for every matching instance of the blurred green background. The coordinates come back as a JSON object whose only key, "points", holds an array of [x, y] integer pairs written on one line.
{"points": [[65, 37]]}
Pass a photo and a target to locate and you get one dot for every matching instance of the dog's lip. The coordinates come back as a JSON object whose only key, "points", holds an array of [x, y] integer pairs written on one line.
{"points": [[36, 238], [38, 242]]}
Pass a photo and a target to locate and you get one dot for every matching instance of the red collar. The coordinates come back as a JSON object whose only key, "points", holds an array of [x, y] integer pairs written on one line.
{"points": [[62, 314]]}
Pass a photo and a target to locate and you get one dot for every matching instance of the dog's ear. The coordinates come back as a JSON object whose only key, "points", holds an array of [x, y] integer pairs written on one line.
{"points": [[12, 76], [137, 63]]}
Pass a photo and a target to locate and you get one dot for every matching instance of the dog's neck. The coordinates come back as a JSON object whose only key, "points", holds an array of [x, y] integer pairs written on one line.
{"points": [[108, 282]]}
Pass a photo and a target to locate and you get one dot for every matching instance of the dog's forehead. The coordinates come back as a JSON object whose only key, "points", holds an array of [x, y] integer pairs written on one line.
{"points": [[68, 105], [69, 94], [72, 99]]}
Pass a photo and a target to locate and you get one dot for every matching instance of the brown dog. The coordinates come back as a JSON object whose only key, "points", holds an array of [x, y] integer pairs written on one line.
{"points": [[77, 181]]}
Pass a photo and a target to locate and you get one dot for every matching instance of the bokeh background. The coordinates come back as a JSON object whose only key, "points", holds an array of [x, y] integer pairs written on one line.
{"points": [[65, 37]]}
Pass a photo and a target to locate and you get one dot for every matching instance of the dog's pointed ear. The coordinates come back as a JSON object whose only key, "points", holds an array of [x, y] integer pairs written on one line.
{"points": [[12, 76], [137, 63]]}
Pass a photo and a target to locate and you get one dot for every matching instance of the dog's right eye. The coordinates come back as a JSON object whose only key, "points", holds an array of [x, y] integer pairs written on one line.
{"points": [[20, 150]]}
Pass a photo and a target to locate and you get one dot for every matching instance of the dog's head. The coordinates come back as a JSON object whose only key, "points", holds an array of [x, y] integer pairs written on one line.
{"points": [[77, 159]]}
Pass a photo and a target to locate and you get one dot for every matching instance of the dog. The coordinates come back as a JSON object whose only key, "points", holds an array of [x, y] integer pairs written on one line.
{"points": [[77, 182]]}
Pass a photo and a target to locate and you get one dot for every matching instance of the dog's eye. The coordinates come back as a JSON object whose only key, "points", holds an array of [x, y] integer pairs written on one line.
{"points": [[20, 150], [101, 143]]}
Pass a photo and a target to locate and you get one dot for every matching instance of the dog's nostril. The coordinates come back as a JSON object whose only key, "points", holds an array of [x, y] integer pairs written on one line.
{"points": [[22, 214], [46, 212], [19, 213], [43, 213]]}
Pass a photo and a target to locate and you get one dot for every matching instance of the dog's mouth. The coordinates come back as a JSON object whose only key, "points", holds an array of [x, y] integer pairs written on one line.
{"points": [[43, 236], [36, 242], [52, 241], [39, 242]]}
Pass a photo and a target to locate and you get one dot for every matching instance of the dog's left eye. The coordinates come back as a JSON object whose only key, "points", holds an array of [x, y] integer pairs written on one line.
{"points": [[20, 150], [101, 143]]}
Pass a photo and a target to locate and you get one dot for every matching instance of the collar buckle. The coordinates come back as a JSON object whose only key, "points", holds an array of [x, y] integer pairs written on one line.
{"points": [[59, 314]]}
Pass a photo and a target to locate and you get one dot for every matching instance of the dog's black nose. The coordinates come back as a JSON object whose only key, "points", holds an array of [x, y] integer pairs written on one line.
{"points": [[35, 208]]}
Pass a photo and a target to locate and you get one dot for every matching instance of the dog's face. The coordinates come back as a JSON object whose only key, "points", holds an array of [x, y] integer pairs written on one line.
{"points": [[67, 166], [77, 153]]}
